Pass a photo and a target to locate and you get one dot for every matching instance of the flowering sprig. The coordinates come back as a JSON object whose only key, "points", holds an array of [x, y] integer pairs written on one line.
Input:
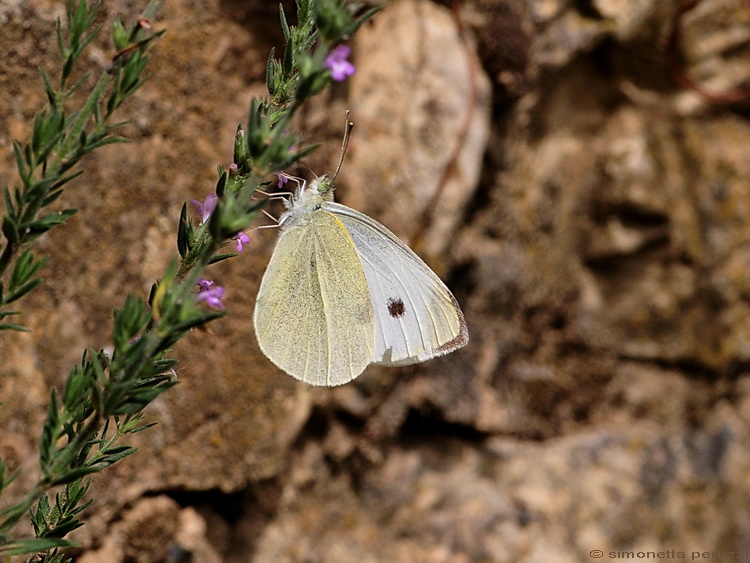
{"points": [[302, 71]]}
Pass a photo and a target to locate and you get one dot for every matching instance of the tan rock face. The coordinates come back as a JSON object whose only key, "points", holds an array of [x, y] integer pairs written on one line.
{"points": [[590, 214], [420, 92]]}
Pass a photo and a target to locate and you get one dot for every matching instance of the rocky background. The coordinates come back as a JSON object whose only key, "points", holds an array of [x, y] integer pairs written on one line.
{"points": [[577, 173]]}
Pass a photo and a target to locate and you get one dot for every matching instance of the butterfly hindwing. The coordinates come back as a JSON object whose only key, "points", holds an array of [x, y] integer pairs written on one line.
{"points": [[416, 316]]}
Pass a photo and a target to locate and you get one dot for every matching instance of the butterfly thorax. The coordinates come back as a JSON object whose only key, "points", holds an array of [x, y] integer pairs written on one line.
{"points": [[306, 201]]}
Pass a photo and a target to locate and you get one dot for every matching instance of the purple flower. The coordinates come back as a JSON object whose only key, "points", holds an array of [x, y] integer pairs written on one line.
{"points": [[241, 239], [338, 65], [233, 168], [207, 207], [283, 179], [212, 296]]}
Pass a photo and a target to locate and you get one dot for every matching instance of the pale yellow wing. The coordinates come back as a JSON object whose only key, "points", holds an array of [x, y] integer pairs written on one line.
{"points": [[313, 316]]}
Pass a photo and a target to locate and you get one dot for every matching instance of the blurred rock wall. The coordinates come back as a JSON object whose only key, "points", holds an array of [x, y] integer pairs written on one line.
{"points": [[575, 171]]}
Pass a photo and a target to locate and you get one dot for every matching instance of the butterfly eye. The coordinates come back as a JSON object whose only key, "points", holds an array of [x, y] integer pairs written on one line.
{"points": [[396, 308]]}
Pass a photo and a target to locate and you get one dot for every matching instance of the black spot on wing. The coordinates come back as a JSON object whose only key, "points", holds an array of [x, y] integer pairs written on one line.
{"points": [[396, 308]]}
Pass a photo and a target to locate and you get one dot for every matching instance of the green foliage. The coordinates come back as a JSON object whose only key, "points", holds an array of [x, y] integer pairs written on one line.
{"points": [[61, 138], [59, 520], [337, 20], [33, 545]]}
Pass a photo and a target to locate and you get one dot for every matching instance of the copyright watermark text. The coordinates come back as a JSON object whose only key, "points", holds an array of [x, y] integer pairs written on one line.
{"points": [[672, 554]]}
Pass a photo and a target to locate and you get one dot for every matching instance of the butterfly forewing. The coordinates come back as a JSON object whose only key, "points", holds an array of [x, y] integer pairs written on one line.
{"points": [[313, 316], [416, 316]]}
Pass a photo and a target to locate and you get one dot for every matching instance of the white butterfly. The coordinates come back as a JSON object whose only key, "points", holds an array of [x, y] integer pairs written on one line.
{"points": [[341, 292]]}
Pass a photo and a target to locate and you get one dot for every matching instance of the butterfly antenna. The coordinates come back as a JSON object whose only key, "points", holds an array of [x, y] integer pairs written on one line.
{"points": [[310, 170], [347, 133]]}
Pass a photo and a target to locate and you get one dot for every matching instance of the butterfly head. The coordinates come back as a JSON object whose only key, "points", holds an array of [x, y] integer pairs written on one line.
{"points": [[322, 186]]}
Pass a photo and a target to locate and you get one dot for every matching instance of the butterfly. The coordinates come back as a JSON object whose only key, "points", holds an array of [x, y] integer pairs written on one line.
{"points": [[342, 292]]}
